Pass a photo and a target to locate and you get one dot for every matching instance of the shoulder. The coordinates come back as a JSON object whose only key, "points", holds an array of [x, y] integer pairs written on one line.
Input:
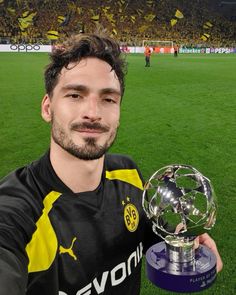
{"points": [[123, 168], [118, 161], [23, 183], [21, 204], [14, 180], [22, 195], [16, 189]]}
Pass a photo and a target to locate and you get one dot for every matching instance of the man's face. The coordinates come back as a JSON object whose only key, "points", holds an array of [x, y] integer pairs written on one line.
{"points": [[84, 109]]}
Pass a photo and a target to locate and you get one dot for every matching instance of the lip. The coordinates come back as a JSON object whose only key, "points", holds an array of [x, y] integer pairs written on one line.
{"points": [[90, 132]]}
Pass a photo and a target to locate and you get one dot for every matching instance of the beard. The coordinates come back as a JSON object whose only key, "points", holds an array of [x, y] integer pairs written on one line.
{"points": [[89, 150]]}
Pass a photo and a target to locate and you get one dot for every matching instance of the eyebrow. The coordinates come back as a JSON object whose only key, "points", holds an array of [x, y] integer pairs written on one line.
{"points": [[83, 88], [110, 91], [75, 87]]}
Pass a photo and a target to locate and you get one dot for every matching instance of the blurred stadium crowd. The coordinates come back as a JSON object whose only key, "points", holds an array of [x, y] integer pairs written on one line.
{"points": [[187, 22]]}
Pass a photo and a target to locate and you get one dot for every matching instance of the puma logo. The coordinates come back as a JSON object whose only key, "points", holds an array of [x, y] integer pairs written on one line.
{"points": [[69, 251]]}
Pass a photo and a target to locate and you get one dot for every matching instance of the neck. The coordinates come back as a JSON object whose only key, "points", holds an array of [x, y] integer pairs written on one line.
{"points": [[79, 175]]}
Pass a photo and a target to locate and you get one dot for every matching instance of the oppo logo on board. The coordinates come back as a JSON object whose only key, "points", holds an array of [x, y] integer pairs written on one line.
{"points": [[25, 47]]}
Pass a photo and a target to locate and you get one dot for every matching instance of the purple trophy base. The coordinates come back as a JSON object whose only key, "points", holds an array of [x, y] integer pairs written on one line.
{"points": [[180, 277]]}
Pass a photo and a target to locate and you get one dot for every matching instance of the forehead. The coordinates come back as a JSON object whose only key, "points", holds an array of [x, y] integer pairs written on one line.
{"points": [[89, 71]]}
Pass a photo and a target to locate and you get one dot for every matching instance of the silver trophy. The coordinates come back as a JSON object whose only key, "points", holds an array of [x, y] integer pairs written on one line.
{"points": [[181, 204]]}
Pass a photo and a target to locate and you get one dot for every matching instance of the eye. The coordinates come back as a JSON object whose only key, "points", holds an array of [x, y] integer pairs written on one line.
{"points": [[74, 95], [109, 100]]}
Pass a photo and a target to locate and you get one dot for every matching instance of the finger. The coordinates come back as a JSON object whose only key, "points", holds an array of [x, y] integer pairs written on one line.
{"points": [[206, 240], [196, 243]]}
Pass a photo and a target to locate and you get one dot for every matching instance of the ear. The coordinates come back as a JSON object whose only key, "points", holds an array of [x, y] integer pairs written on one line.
{"points": [[46, 108]]}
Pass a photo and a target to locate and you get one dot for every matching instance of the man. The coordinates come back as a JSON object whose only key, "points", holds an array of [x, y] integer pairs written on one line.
{"points": [[72, 222], [147, 53], [176, 49]]}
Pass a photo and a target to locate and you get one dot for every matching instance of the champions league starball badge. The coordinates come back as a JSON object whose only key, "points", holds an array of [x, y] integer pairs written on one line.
{"points": [[181, 204]]}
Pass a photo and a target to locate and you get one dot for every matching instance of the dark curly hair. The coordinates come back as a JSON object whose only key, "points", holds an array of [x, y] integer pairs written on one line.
{"points": [[81, 46]]}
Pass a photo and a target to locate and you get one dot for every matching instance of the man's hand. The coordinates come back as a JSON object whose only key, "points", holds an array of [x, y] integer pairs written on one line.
{"points": [[206, 240]]}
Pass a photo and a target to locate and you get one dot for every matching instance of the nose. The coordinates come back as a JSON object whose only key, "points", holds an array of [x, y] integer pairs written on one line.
{"points": [[92, 109]]}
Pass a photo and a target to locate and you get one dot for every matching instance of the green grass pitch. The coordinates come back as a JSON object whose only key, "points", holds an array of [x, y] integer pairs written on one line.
{"points": [[180, 110]]}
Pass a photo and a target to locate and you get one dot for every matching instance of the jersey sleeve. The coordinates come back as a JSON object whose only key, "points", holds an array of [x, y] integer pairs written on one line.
{"points": [[13, 272], [17, 214]]}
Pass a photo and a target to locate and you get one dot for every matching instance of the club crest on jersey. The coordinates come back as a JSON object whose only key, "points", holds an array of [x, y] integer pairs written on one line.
{"points": [[131, 216]]}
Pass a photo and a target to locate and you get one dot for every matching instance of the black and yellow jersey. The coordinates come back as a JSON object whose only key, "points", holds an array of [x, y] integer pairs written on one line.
{"points": [[54, 241]]}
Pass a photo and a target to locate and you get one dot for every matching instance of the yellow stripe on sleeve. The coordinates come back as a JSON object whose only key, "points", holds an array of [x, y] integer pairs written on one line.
{"points": [[43, 246], [127, 175]]}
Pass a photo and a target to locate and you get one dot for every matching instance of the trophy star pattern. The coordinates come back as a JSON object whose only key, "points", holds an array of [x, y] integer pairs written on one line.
{"points": [[180, 196]]}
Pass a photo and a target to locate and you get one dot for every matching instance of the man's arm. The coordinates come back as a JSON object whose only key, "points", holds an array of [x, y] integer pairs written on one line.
{"points": [[13, 273], [18, 213]]}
